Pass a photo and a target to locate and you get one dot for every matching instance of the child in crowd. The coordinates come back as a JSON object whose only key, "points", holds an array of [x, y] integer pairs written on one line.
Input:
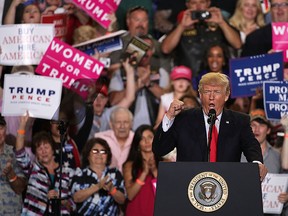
{"points": [[180, 85]]}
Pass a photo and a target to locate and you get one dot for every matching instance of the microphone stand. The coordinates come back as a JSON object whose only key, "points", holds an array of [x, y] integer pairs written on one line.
{"points": [[56, 203], [211, 122]]}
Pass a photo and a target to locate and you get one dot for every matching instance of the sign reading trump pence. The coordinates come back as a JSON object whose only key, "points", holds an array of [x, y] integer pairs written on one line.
{"points": [[24, 44], [275, 99], [68, 64], [39, 95], [249, 73]]}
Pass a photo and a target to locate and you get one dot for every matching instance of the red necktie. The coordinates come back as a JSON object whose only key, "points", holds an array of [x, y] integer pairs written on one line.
{"points": [[213, 145]]}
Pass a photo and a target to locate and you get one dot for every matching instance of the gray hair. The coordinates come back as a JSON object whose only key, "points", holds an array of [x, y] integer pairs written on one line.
{"points": [[120, 109]]}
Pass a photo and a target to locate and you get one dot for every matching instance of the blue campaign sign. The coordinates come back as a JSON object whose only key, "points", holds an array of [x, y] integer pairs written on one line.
{"points": [[249, 73], [275, 99]]}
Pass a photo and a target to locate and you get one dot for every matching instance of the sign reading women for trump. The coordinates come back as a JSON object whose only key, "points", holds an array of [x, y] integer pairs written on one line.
{"points": [[99, 10], [272, 186], [24, 44], [275, 99], [68, 64], [279, 38], [249, 73], [39, 95]]}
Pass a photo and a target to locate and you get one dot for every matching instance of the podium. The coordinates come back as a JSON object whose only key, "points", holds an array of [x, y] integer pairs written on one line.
{"points": [[202, 188]]}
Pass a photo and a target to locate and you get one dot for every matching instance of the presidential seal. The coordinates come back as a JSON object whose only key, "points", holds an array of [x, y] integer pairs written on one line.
{"points": [[207, 191]]}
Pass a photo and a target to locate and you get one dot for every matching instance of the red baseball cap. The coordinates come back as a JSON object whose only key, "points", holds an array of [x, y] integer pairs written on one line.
{"points": [[104, 90], [181, 72]]}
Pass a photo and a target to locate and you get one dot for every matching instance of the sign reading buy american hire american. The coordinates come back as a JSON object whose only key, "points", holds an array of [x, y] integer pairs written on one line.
{"points": [[24, 44]]}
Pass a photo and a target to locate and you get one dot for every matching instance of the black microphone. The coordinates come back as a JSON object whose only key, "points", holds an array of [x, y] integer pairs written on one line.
{"points": [[211, 116]]}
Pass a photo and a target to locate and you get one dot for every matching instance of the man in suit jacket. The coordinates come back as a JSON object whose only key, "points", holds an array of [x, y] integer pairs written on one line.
{"points": [[260, 40], [187, 129]]}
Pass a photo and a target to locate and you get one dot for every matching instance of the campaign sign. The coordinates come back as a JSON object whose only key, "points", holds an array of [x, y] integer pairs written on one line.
{"points": [[60, 22], [275, 99], [39, 95], [272, 186], [279, 38], [68, 64], [113, 4], [104, 44], [249, 73], [99, 10], [24, 44]]}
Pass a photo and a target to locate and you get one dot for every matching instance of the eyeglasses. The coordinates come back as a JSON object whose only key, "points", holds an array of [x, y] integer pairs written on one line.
{"points": [[279, 5], [99, 151]]}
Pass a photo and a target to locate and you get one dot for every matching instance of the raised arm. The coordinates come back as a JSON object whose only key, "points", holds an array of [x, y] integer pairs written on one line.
{"points": [[173, 38], [20, 139], [11, 13], [129, 96], [231, 35]]}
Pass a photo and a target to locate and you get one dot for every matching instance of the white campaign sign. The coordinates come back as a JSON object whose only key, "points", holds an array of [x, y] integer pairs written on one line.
{"points": [[24, 44], [272, 186], [39, 95]]}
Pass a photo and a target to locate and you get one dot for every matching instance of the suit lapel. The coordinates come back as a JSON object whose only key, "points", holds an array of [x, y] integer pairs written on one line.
{"points": [[224, 130], [202, 137]]}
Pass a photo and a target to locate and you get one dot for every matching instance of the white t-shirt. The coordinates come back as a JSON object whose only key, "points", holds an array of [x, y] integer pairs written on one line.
{"points": [[167, 99]]}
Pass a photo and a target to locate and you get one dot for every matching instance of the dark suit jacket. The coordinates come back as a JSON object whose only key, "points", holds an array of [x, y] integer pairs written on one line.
{"points": [[258, 42], [188, 135]]}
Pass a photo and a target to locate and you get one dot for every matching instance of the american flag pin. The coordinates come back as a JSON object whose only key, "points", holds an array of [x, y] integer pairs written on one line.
{"points": [[227, 122]]}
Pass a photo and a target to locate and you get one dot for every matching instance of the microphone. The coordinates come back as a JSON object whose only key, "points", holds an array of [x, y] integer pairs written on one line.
{"points": [[211, 116]]}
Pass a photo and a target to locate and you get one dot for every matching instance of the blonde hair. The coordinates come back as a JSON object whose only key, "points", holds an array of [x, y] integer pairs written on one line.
{"points": [[189, 90], [84, 33], [217, 79], [237, 19]]}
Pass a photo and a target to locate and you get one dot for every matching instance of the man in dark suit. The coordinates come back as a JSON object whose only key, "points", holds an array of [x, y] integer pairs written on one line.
{"points": [[187, 129], [260, 41]]}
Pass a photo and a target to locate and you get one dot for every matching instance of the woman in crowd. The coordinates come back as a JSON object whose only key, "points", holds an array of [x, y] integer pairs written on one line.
{"points": [[216, 59], [31, 13], [44, 176], [247, 17], [140, 173], [96, 188]]}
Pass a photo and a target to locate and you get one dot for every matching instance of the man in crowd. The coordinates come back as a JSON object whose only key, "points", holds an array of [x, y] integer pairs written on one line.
{"points": [[193, 35], [137, 20], [150, 86], [260, 41], [261, 128], [120, 136]]}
